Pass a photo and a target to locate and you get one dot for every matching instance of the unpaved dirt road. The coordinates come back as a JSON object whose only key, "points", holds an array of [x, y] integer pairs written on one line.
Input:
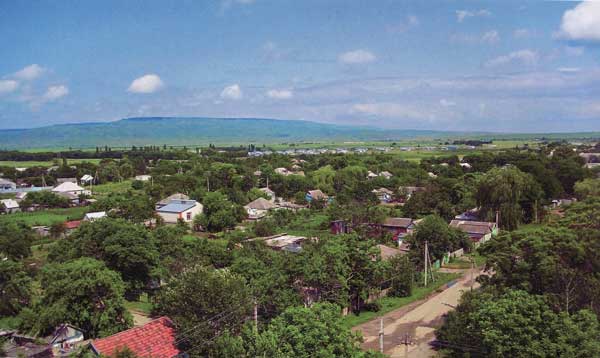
{"points": [[417, 320]]}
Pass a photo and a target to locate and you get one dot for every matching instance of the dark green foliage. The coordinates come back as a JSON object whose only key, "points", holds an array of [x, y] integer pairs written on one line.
{"points": [[219, 213], [400, 276], [204, 302], [46, 199], [15, 288], [15, 240], [83, 292], [517, 324], [124, 247], [440, 238]]}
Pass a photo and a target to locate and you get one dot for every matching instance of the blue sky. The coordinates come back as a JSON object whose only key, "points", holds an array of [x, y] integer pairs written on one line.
{"points": [[496, 66]]}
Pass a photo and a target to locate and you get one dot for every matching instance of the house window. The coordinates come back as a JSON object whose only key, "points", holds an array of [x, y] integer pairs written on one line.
{"points": [[188, 216]]}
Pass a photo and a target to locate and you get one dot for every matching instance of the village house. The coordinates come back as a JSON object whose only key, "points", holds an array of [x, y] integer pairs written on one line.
{"points": [[72, 198], [387, 252], [398, 227], [259, 208], [176, 210], [71, 226], [383, 194], [86, 179], [371, 175], [283, 242], [168, 199], [143, 177], [155, 339], [7, 185], [70, 187], [282, 171], [66, 180], [93, 216], [385, 174], [270, 193], [478, 231], [9, 206], [408, 191], [316, 195]]}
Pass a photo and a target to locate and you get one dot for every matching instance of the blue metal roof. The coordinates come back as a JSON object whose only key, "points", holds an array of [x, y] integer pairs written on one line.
{"points": [[177, 206]]}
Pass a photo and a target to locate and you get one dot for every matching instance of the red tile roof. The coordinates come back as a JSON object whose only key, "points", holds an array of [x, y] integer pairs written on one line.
{"points": [[72, 224], [155, 339]]}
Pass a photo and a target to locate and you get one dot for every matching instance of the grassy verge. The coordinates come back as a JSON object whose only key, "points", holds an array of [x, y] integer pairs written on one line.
{"points": [[142, 305], [108, 188], [46, 217], [389, 304], [465, 261]]}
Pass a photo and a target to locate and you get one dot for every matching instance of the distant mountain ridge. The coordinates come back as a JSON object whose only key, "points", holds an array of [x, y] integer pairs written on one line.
{"points": [[193, 130]]}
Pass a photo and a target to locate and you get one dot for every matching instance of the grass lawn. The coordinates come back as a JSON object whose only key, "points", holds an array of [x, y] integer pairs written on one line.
{"points": [[46, 217], [34, 163], [142, 305], [465, 261], [389, 304], [108, 188]]}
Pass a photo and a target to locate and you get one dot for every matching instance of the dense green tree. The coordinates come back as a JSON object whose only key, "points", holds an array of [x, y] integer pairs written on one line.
{"points": [[517, 324], [440, 239], [124, 247], [15, 240], [15, 288], [83, 292], [219, 213], [587, 188], [302, 332], [204, 302], [507, 191]]}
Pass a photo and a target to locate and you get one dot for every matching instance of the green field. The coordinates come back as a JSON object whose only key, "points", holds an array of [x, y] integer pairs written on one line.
{"points": [[389, 304], [46, 217], [29, 164], [108, 188]]}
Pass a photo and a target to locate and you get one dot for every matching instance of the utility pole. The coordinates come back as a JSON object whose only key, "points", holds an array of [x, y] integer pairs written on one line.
{"points": [[381, 334], [425, 261]]}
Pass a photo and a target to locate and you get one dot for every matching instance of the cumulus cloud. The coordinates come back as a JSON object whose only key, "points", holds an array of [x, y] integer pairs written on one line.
{"points": [[462, 15], [280, 94], [55, 92], [582, 22], [356, 57], [146, 84], [524, 57], [8, 86], [233, 92], [29, 73]]}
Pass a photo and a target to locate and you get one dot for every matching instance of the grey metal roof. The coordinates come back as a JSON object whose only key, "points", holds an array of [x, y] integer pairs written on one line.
{"points": [[177, 206]]}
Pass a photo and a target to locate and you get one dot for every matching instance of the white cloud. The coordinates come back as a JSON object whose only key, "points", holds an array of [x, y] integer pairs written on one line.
{"points": [[356, 57], [146, 84], [29, 73], [462, 15], [582, 22], [55, 92], [7, 86], [447, 103], [525, 57], [490, 37], [232, 92], [280, 94]]}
